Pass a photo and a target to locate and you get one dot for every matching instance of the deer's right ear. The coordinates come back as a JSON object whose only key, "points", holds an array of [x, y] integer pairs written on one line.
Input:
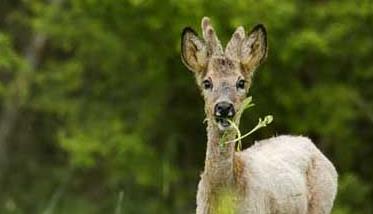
{"points": [[193, 51]]}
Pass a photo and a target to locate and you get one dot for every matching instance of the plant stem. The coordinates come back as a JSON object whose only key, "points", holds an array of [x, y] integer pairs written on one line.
{"points": [[239, 144], [262, 123]]}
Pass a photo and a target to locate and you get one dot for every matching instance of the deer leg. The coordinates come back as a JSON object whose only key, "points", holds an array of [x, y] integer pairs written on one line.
{"points": [[322, 186]]}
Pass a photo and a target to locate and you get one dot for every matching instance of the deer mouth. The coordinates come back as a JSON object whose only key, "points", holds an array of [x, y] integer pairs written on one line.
{"points": [[222, 122]]}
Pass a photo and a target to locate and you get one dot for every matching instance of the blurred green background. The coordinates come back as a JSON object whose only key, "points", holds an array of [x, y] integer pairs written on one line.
{"points": [[98, 114]]}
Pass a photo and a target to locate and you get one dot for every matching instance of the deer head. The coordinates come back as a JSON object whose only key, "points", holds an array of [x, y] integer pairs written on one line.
{"points": [[223, 76]]}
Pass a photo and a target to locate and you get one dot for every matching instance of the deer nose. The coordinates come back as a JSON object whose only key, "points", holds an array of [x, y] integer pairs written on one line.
{"points": [[224, 109]]}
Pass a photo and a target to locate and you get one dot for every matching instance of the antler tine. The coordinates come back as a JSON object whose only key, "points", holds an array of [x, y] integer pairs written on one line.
{"points": [[210, 37], [205, 24], [233, 47]]}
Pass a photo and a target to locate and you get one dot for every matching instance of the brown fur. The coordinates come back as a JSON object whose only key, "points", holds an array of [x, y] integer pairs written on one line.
{"points": [[238, 172]]}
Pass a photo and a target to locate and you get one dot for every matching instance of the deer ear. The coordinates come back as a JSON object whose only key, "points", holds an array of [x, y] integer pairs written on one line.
{"points": [[193, 51], [254, 49]]}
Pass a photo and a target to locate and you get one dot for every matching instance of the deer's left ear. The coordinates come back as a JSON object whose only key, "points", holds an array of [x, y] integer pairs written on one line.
{"points": [[254, 49]]}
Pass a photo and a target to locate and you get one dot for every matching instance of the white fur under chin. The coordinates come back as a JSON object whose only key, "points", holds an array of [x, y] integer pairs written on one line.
{"points": [[223, 128]]}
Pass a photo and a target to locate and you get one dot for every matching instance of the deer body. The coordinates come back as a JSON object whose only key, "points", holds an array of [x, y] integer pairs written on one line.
{"points": [[285, 174], [280, 175]]}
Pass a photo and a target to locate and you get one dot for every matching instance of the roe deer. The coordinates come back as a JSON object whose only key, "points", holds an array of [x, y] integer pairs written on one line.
{"points": [[282, 175]]}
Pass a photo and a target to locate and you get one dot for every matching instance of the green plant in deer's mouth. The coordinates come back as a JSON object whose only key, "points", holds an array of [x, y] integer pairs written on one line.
{"points": [[247, 103]]}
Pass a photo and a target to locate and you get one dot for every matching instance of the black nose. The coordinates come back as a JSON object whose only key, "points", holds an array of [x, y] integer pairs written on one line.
{"points": [[224, 109]]}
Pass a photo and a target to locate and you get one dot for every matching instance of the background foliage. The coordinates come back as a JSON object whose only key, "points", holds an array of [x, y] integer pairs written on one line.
{"points": [[96, 103]]}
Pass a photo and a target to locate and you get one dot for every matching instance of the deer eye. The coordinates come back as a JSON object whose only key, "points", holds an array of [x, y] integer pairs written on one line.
{"points": [[241, 84], [207, 84]]}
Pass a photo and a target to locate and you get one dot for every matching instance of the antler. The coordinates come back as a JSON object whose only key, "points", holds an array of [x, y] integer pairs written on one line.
{"points": [[232, 50], [210, 37]]}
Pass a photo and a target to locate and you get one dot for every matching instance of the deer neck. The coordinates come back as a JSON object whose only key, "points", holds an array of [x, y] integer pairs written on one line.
{"points": [[219, 158]]}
